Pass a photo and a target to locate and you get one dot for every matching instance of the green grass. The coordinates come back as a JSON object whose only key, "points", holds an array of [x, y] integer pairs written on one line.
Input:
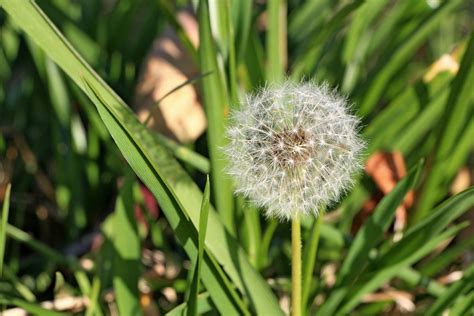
{"points": [[79, 161]]}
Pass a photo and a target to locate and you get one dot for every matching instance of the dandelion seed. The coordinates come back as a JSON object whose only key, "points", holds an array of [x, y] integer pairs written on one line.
{"points": [[294, 148]]}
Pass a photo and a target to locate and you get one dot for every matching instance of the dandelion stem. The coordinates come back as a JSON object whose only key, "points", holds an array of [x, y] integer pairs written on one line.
{"points": [[296, 267]]}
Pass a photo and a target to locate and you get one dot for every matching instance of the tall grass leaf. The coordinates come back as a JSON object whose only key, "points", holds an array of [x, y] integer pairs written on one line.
{"points": [[242, 19], [127, 251], [398, 57], [193, 293], [216, 104], [148, 161], [456, 289], [450, 128], [276, 40], [368, 236], [3, 226]]}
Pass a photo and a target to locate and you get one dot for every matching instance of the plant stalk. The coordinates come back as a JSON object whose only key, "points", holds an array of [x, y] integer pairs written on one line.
{"points": [[296, 267]]}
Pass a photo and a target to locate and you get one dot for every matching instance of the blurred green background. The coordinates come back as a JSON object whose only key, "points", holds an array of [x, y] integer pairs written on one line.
{"points": [[80, 223]]}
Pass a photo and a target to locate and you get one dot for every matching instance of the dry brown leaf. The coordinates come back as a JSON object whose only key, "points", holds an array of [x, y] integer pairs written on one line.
{"points": [[386, 169], [180, 115]]}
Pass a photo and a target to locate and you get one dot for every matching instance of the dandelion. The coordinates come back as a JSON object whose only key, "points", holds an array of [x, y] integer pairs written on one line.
{"points": [[293, 149]]}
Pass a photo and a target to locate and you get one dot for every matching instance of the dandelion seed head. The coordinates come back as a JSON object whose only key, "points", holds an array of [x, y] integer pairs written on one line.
{"points": [[294, 148]]}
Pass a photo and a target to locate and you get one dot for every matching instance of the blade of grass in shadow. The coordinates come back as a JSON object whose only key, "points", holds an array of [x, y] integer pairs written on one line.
{"points": [[216, 104], [194, 289], [126, 246], [152, 164], [450, 128], [276, 40], [3, 226], [368, 236]]}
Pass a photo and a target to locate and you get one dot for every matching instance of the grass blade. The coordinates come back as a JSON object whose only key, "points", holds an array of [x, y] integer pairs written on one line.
{"points": [[216, 104], [276, 40], [193, 294], [3, 226]]}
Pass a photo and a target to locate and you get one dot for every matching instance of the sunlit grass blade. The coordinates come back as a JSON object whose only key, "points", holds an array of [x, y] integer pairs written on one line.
{"points": [[193, 293], [276, 40], [3, 226], [216, 103]]}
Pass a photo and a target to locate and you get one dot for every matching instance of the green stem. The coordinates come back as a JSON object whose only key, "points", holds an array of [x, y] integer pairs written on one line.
{"points": [[295, 267]]}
